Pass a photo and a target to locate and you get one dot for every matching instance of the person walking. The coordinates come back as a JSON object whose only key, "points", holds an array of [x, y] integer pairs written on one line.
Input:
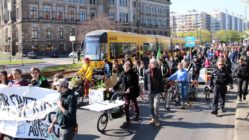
{"points": [[129, 80], [4, 78], [17, 78], [66, 114], [242, 74], [108, 73], [79, 55], [219, 80], [153, 83], [37, 79]]}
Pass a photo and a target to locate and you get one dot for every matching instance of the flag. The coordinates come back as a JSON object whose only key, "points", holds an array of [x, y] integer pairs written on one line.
{"points": [[158, 56]]}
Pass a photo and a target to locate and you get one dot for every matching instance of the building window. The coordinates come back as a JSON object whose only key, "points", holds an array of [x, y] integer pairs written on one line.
{"points": [[60, 13], [93, 15], [123, 3], [6, 35], [72, 1], [82, 15], [134, 4], [93, 2], [71, 14], [82, 1], [17, 13], [47, 12], [34, 33], [111, 2], [33, 13], [111, 15], [123, 17], [147, 9], [154, 10], [72, 32], [48, 36], [61, 33]]}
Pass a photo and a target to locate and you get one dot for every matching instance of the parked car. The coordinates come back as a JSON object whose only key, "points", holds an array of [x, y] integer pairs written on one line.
{"points": [[74, 54], [32, 55], [55, 55]]}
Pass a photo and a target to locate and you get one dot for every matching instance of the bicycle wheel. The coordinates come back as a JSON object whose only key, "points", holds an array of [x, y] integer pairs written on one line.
{"points": [[102, 122], [167, 100], [177, 97], [207, 95]]}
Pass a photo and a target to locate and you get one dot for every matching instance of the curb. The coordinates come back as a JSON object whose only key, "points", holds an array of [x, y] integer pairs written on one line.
{"points": [[241, 128]]}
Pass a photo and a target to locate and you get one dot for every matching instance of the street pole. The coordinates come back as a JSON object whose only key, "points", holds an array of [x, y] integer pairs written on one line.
{"points": [[9, 48], [72, 39], [73, 52], [22, 56]]}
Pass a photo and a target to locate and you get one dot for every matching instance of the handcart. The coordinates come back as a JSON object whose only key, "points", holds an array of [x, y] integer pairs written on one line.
{"points": [[112, 109], [208, 74]]}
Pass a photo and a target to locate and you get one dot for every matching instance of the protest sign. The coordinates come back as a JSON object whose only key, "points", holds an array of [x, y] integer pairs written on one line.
{"points": [[26, 112]]}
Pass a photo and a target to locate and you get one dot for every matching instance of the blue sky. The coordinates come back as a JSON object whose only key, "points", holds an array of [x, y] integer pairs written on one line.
{"points": [[235, 6]]}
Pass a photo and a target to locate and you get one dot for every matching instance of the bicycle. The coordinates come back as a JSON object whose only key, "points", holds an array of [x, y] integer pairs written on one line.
{"points": [[143, 95], [110, 113], [173, 94], [192, 93], [207, 93]]}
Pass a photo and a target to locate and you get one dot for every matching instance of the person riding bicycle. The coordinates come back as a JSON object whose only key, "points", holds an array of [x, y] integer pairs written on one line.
{"points": [[86, 73], [181, 75]]}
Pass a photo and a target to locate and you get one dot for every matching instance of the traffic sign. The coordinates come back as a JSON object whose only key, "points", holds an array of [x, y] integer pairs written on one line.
{"points": [[190, 41]]}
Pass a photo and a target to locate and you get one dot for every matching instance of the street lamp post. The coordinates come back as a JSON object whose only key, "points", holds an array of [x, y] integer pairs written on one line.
{"points": [[72, 39], [9, 47], [22, 54], [246, 4]]}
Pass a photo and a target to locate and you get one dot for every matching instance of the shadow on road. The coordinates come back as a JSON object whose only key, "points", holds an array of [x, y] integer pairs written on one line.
{"points": [[118, 132], [85, 137], [190, 125]]}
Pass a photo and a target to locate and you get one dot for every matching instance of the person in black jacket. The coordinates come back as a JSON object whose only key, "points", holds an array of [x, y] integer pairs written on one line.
{"points": [[242, 74], [66, 114], [129, 82], [196, 67], [164, 67], [153, 83], [219, 80]]}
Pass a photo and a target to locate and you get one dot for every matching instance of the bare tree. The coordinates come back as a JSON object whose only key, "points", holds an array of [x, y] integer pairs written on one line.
{"points": [[98, 23]]}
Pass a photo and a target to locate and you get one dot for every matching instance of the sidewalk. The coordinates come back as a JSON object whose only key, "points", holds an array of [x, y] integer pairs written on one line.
{"points": [[241, 129]]}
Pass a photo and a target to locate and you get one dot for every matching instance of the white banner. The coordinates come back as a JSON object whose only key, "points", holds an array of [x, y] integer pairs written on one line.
{"points": [[26, 112]]}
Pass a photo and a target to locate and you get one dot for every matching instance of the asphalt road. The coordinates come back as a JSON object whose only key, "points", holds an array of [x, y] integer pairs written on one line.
{"points": [[195, 123]]}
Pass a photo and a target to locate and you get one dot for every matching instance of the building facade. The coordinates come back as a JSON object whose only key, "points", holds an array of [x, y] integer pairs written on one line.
{"points": [[45, 25], [213, 21], [190, 21]]}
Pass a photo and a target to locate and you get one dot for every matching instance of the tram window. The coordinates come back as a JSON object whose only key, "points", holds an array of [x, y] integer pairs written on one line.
{"points": [[146, 49], [132, 50], [113, 50], [118, 50]]}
